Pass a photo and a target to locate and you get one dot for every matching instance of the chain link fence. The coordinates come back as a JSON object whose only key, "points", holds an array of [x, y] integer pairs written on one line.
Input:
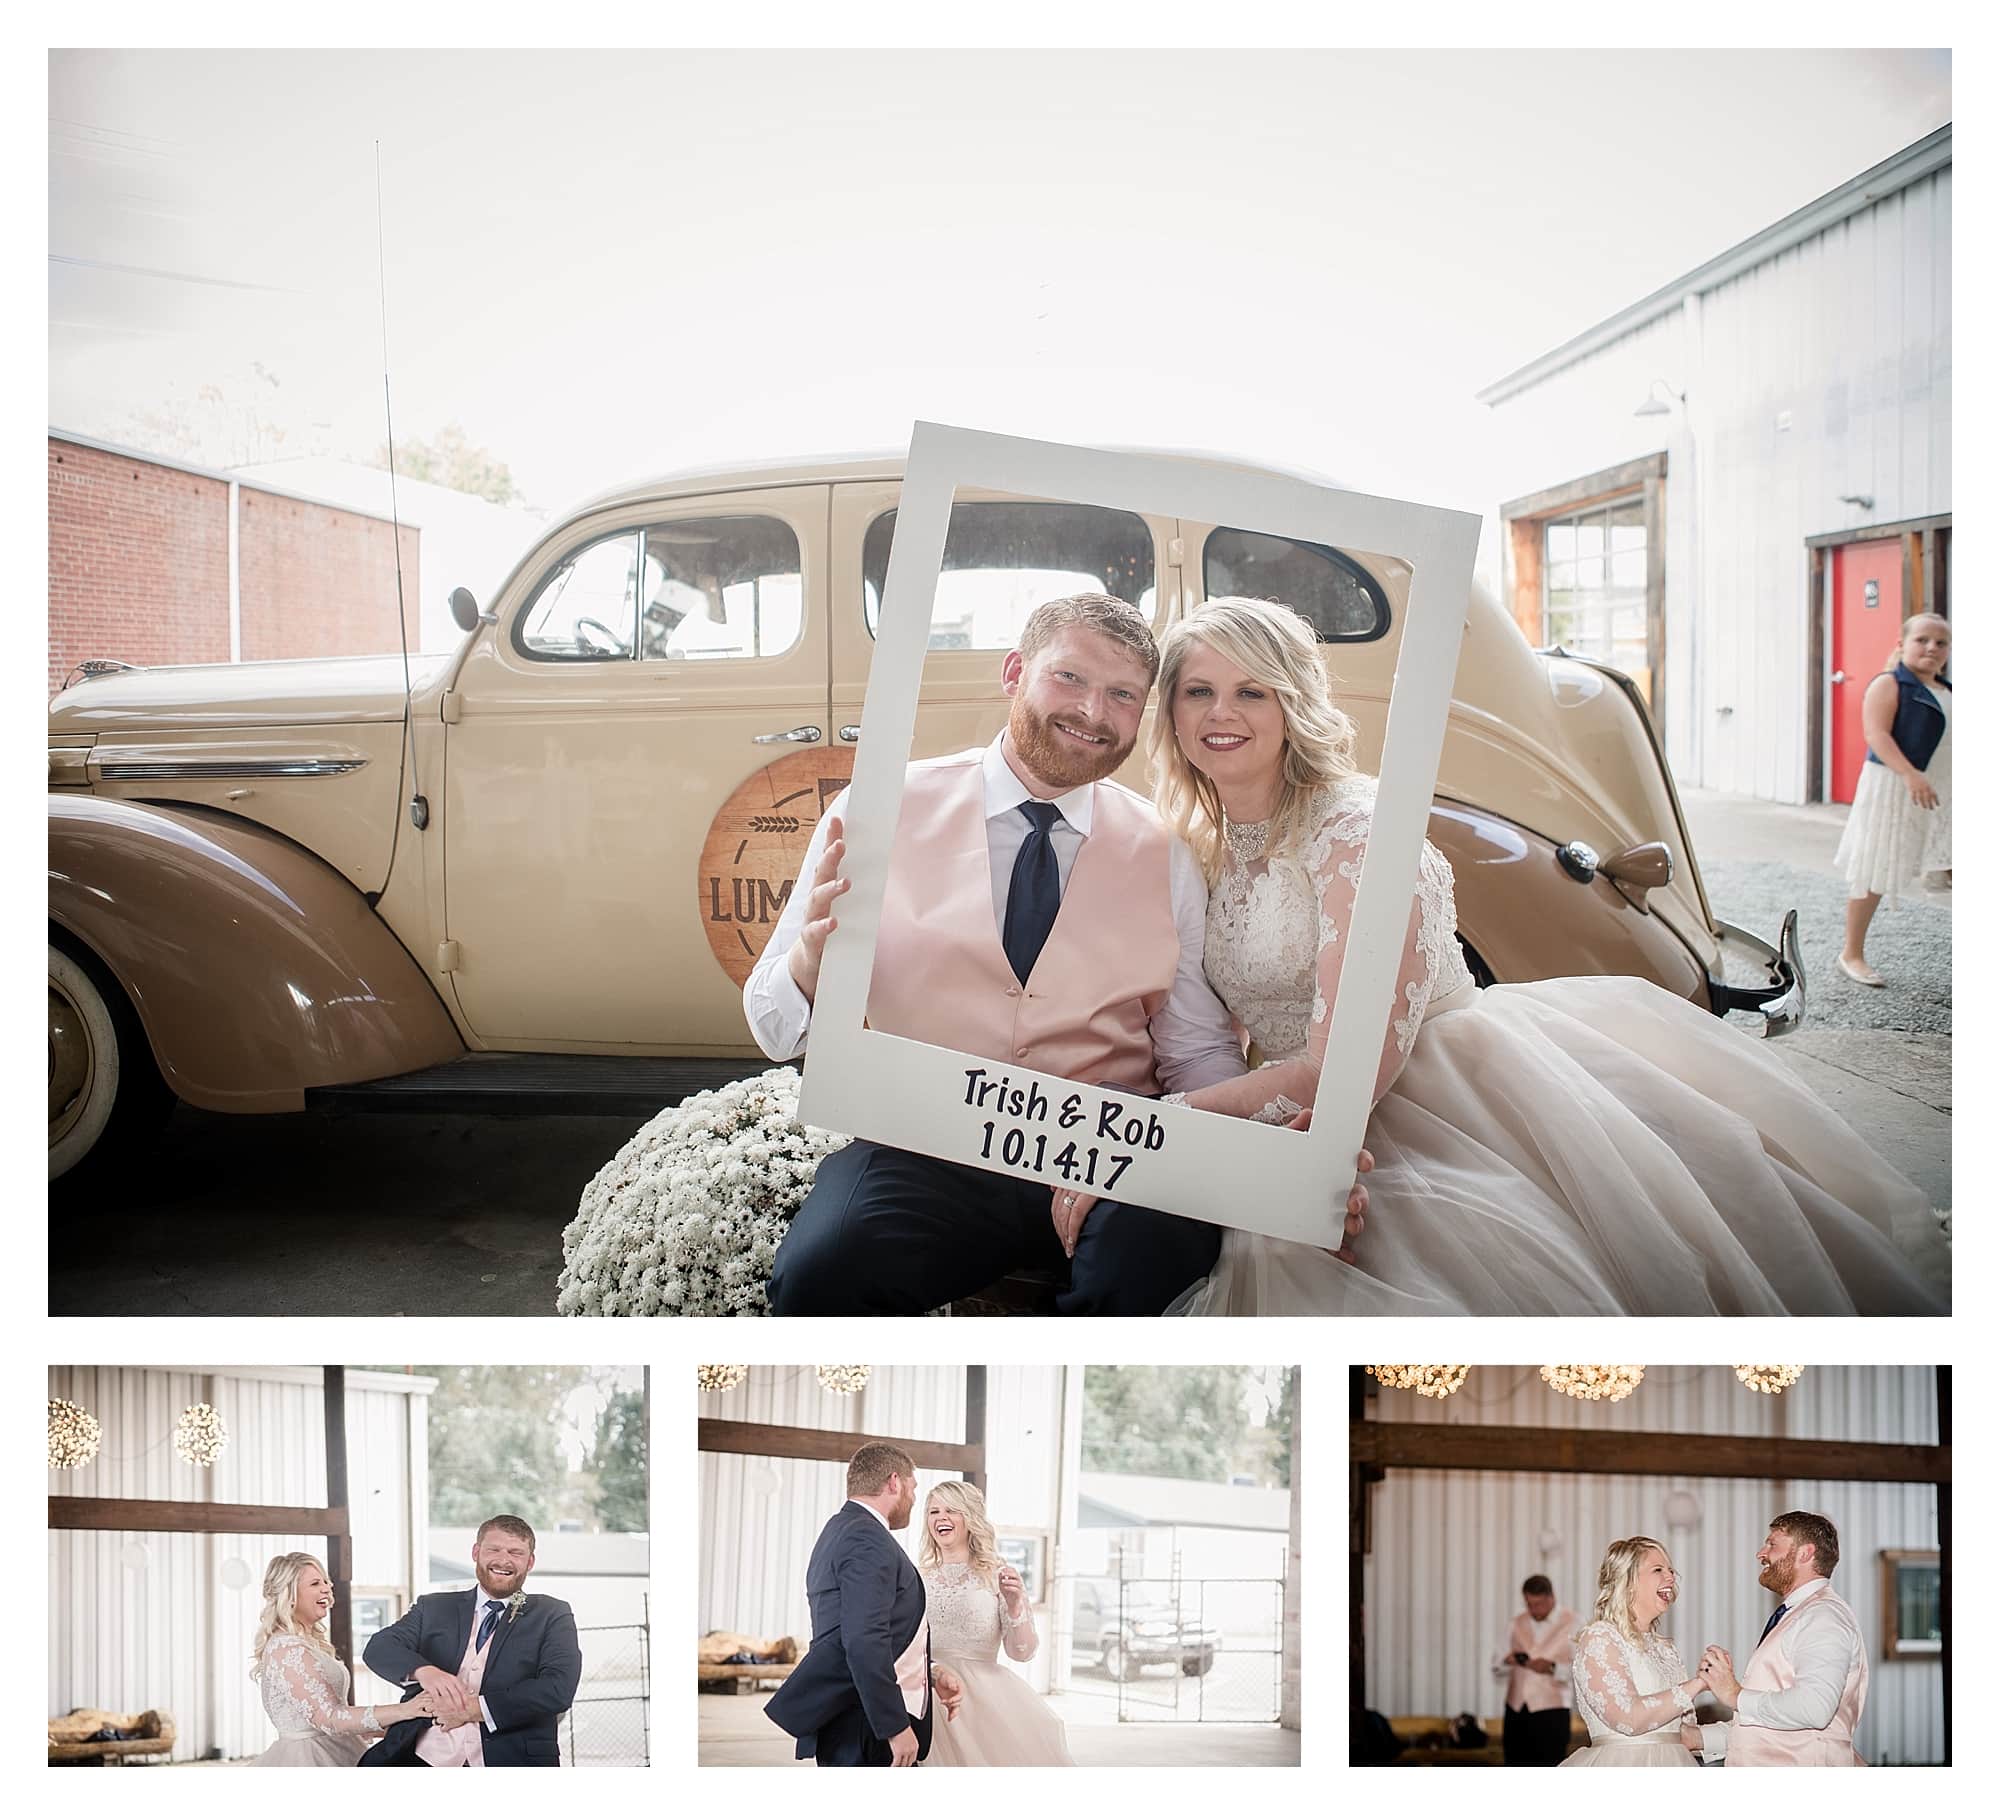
{"points": [[610, 1722]]}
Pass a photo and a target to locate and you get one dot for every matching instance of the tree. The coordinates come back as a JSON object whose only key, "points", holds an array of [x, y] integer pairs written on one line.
{"points": [[618, 1462], [233, 421], [450, 459], [1189, 1423], [494, 1443], [1283, 1422]]}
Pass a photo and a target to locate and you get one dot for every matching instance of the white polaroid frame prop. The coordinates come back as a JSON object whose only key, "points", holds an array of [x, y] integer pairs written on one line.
{"points": [[1006, 1118]]}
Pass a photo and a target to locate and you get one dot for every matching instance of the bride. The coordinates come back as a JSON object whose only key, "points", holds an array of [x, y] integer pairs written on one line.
{"points": [[305, 1686], [1585, 1145], [1636, 1695], [975, 1604]]}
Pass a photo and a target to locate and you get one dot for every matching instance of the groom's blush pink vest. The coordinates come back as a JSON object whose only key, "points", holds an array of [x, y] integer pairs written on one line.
{"points": [[942, 977], [1770, 1668], [464, 1745]]}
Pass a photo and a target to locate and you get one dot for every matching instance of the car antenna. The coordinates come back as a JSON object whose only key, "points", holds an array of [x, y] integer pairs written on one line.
{"points": [[420, 808]]}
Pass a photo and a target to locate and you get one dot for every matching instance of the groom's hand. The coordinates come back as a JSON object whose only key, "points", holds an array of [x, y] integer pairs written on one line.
{"points": [[828, 884], [1067, 1209], [448, 1694], [903, 1748], [1357, 1195], [1718, 1672]]}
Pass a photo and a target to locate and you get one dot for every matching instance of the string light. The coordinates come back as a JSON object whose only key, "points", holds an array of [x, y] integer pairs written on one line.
{"points": [[720, 1376], [200, 1437], [1767, 1379], [73, 1435], [1593, 1380], [844, 1377], [1433, 1382]]}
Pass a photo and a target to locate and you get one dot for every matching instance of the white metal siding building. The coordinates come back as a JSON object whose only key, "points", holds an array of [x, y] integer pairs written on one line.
{"points": [[165, 1619], [1451, 1547], [1796, 373]]}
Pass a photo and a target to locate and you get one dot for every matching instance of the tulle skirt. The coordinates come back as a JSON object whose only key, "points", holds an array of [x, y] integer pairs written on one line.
{"points": [[315, 1749], [1001, 1721], [1890, 843], [1648, 1751], [1597, 1146]]}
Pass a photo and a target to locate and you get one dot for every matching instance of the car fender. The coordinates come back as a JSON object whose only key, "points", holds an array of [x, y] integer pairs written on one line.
{"points": [[1528, 918], [257, 971]]}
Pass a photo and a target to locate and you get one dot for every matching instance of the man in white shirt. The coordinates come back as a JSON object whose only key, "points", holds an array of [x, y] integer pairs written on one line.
{"points": [[1802, 1693], [1095, 974], [1534, 1664]]}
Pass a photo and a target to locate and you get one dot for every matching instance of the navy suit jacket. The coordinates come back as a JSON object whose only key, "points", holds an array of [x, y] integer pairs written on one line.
{"points": [[533, 1666], [867, 1605]]}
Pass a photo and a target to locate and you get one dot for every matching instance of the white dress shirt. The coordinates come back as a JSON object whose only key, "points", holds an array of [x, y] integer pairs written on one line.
{"points": [[1821, 1649], [1193, 1041]]}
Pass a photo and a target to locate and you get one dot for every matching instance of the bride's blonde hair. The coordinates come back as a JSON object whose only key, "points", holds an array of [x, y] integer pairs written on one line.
{"points": [[1276, 648], [1614, 1583], [962, 1498], [280, 1613]]}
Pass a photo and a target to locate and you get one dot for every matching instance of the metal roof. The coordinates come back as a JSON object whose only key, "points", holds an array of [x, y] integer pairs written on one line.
{"points": [[1910, 165]]}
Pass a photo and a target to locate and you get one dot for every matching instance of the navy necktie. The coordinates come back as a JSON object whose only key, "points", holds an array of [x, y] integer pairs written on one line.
{"points": [[486, 1625], [1772, 1621], [1034, 896]]}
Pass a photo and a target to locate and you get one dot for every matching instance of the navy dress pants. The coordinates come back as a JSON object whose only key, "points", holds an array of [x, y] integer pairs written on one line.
{"points": [[889, 1233]]}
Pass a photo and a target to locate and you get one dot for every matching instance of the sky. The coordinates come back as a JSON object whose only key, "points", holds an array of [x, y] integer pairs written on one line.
{"points": [[609, 264]]}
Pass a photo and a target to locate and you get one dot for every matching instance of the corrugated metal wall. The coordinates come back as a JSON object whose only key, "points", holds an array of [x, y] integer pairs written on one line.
{"points": [[1451, 1547], [1848, 335], [146, 1620], [760, 1515]]}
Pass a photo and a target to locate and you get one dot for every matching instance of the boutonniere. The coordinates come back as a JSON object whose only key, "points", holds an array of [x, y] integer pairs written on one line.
{"points": [[515, 1602]]}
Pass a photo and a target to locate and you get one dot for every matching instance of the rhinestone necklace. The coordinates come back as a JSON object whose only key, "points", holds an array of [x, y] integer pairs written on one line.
{"points": [[1247, 841]]}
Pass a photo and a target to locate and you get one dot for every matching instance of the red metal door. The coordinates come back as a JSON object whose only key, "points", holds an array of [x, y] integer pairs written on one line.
{"points": [[1867, 623]]}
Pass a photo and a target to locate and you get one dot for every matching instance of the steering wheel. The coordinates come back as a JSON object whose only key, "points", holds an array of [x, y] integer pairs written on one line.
{"points": [[617, 644]]}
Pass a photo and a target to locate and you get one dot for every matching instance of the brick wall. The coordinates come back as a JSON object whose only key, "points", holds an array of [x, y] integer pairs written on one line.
{"points": [[138, 561], [139, 568]]}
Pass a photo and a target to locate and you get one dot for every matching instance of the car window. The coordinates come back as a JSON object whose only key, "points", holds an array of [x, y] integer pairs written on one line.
{"points": [[721, 587], [583, 611], [1335, 594], [1004, 557]]}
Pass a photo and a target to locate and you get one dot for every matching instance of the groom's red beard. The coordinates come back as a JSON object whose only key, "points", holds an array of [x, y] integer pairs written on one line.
{"points": [[499, 1585], [1061, 761], [1778, 1578]]}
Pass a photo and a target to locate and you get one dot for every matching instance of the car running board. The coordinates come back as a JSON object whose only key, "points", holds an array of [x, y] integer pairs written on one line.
{"points": [[506, 1083]]}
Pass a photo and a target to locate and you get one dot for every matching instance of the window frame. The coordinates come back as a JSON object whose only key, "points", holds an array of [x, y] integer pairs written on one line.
{"points": [[1376, 592]]}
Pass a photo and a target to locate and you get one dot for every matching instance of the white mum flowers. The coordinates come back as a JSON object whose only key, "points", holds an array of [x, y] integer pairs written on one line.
{"points": [[686, 1219]]}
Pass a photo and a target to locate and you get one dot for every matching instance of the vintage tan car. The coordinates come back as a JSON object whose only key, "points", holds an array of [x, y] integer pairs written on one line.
{"points": [[541, 875]]}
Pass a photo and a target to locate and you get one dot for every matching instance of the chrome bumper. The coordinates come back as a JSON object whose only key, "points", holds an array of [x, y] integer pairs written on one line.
{"points": [[1782, 1001]]}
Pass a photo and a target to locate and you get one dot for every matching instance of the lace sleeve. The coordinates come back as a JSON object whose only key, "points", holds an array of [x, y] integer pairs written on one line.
{"points": [[302, 1685], [1335, 866], [1601, 1666], [1018, 1635]]}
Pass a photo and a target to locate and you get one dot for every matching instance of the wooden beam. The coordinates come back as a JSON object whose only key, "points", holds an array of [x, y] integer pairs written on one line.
{"points": [[1538, 1450], [1579, 494], [975, 1424], [732, 1437], [1816, 633], [340, 1553], [77, 1512]]}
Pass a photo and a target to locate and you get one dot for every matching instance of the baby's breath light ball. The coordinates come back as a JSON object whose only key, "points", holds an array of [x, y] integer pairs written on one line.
{"points": [[73, 1435], [843, 1377], [720, 1376], [1767, 1378], [199, 1436], [1593, 1380], [1432, 1380]]}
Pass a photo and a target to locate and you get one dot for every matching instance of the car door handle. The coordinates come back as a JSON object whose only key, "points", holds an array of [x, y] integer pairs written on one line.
{"points": [[1839, 675], [798, 734], [850, 734]]}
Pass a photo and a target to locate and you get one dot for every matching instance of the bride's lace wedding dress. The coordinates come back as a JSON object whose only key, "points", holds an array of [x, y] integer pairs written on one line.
{"points": [[1001, 1721], [1631, 1698], [305, 1694], [1586, 1145]]}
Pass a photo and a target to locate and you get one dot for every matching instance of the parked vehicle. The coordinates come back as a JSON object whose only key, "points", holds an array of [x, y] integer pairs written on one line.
{"points": [[1127, 1627], [541, 874]]}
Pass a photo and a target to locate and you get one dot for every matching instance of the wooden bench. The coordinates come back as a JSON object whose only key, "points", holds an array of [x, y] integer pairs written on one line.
{"points": [[146, 1737]]}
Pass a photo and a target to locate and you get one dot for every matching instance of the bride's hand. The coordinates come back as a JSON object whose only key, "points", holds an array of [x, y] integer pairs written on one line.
{"points": [[1068, 1209], [1357, 1196], [1010, 1589]]}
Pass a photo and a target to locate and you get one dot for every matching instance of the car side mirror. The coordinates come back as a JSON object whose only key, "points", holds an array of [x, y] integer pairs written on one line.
{"points": [[464, 608], [1642, 867]]}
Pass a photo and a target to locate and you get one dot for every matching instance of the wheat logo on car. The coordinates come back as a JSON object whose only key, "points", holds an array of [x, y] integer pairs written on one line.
{"points": [[750, 860]]}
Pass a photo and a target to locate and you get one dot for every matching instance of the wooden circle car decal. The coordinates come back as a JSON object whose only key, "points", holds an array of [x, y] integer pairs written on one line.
{"points": [[755, 845]]}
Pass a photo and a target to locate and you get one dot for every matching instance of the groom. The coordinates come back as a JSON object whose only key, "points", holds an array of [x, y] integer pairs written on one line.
{"points": [[1803, 1690], [1036, 912], [501, 1665], [862, 1693]]}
